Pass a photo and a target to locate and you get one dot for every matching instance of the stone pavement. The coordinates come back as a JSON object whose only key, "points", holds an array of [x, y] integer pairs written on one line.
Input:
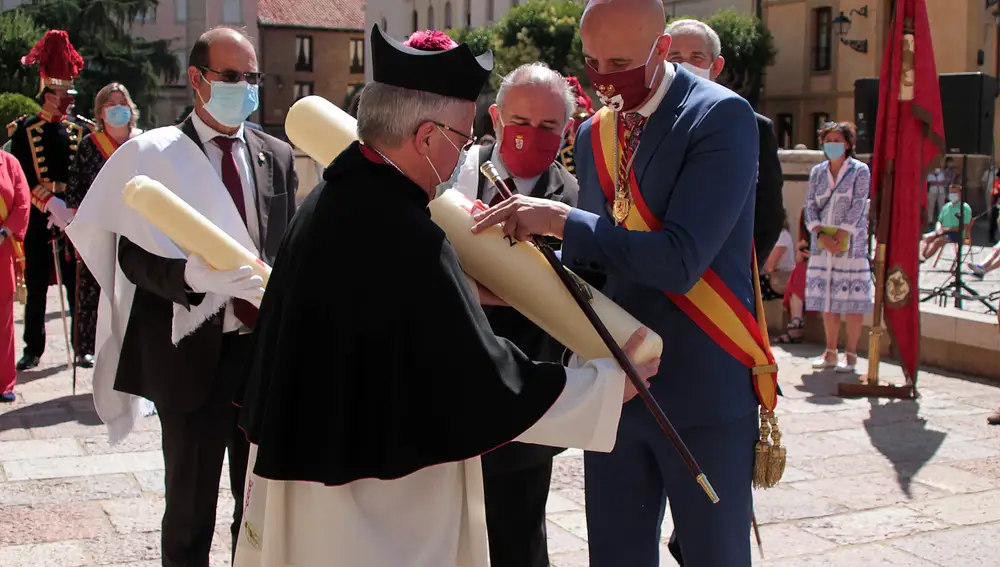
{"points": [[913, 484]]}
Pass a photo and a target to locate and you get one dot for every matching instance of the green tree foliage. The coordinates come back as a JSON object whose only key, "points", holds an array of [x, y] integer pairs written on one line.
{"points": [[538, 30], [747, 47], [101, 30], [18, 34], [12, 107], [479, 39]]}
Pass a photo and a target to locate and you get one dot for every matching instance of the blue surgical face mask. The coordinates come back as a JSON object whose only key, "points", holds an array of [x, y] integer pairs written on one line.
{"points": [[954, 197], [232, 103], [118, 115], [834, 150]]}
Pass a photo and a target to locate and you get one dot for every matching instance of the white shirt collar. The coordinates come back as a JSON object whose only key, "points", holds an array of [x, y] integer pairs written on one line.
{"points": [[207, 133], [661, 91]]}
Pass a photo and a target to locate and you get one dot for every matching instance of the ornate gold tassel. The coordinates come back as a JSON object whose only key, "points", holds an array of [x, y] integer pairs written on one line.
{"points": [[770, 457], [20, 291]]}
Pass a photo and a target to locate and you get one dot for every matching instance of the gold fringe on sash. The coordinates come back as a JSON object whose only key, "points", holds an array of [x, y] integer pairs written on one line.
{"points": [[769, 454]]}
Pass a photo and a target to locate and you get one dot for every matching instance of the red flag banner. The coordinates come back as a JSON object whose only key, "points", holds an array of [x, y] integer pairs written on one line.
{"points": [[908, 137]]}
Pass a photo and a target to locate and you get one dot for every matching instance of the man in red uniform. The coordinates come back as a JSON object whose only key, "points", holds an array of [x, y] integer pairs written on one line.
{"points": [[45, 145]]}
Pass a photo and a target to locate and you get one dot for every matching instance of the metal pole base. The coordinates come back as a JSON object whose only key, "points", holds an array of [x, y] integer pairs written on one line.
{"points": [[864, 389]]}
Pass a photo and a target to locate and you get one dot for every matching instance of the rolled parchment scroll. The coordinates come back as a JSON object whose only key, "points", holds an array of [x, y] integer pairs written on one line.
{"points": [[188, 228], [519, 274], [320, 128]]}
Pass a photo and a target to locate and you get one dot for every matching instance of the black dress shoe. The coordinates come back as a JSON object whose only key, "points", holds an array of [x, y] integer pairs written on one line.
{"points": [[8, 397], [28, 362], [85, 361]]}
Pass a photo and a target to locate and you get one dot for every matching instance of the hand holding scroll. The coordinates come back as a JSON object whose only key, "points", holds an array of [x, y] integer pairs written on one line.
{"points": [[645, 370], [240, 283], [523, 217]]}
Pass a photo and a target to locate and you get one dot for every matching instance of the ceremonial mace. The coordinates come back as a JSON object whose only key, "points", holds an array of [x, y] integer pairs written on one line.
{"points": [[62, 303], [491, 173], [76, 315]]}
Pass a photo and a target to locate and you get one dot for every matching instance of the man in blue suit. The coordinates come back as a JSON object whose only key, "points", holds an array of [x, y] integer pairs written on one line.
{"points": [[672, 214]]}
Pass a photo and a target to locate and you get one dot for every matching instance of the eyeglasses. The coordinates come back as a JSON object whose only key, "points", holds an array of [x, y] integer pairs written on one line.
{"points": [[234, 76], [469, 140]]}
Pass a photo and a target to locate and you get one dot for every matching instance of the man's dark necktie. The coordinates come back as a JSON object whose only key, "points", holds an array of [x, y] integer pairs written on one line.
{"points": [[498, 198], [243, 309]]}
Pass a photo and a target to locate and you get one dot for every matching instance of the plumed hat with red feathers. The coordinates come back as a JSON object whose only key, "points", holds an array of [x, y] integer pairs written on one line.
{"points": [[58, 61], [430, 40], [584, 106]]}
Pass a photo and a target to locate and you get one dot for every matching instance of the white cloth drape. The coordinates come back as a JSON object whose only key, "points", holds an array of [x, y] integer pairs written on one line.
{"points": [[170, 157]]}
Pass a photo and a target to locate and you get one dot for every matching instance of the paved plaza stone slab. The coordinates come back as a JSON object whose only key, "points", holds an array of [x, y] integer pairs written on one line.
{"points": [[869, 482]]}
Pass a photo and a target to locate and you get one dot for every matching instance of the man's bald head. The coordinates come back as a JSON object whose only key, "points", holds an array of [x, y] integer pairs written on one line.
{"points": [[221, 55], [222, 41], [621, 34]]}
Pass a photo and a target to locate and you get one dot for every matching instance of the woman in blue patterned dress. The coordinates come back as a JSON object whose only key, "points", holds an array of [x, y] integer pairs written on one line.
{"points": [[838, 279]]}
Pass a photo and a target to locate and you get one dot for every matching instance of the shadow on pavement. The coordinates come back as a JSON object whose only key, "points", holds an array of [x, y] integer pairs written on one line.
{"points": [[822, 387], [50, 316], [894, 427], [79, 409], [901, 435], [28, 376]]}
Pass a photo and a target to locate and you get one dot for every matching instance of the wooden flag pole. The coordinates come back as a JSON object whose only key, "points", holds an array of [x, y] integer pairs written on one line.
{"points": [[868, 386]]}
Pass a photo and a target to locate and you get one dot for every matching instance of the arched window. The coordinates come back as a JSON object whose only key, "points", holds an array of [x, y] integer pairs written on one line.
{"points": [[385, 25], [468, 13], [447, 15], [415, 22], [489, 11], [430, 18]]}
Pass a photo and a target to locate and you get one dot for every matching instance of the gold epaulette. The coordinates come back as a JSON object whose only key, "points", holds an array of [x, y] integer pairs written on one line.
{"points": [[76, 134], [12, 127], [40, 197]]}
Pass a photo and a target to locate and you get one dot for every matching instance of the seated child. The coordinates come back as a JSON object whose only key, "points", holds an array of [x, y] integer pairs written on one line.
{"points": [[948, 223]]}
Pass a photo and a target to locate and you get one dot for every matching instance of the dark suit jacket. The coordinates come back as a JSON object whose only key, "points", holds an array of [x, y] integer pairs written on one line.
{"points": [[769, 214], [180, 378], [555, 184]]}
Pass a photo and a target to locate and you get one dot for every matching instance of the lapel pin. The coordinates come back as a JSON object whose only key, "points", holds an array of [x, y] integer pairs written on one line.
{"points": [[260, 157]]}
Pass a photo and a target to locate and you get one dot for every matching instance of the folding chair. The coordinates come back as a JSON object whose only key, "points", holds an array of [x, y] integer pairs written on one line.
{"points": [[966, 248]]}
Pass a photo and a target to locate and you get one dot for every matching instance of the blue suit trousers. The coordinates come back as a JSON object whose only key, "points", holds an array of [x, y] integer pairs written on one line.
{"points": [[627, 490]]}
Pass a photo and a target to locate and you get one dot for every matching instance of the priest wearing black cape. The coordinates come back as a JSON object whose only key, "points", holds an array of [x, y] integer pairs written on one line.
{"points": [[376, 382]]}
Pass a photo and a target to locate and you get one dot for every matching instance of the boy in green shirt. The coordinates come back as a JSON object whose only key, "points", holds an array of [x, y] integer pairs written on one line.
{"points": [[948, 223]]}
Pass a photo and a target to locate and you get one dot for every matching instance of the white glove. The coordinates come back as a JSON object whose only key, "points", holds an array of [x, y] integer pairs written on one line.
{"points": [[55, 221], [59, 214], [240, 283]]}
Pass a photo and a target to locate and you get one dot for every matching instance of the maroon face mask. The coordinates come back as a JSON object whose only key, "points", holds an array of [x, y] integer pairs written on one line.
{"points": [[528, 151], [65, 102], [622, 90]]}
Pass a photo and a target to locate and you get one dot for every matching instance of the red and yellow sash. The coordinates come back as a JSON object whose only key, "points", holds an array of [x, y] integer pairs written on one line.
{"points": [[105, 144], [18, 247], [710, 303]]}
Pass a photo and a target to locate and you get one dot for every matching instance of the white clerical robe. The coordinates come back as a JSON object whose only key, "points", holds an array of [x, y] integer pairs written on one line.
{"points": [[435, 517]]}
